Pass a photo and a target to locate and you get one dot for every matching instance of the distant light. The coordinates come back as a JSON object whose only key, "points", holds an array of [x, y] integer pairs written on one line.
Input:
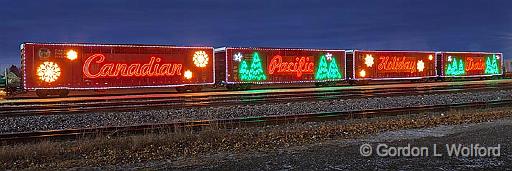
{"points": [[430, 57], [188, 74], [71, 55], [362, 73]]}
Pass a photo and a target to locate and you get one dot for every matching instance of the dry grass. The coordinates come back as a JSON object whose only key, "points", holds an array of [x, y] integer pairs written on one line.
{"points": [[104, 150]]}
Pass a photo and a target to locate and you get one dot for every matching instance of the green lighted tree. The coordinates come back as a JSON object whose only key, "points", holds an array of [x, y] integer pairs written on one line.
{"points": [[254, 72], [334, 71], [455, 68], [322, 71], [491, 65], [243, 71], [257, 72], [327, 70]]}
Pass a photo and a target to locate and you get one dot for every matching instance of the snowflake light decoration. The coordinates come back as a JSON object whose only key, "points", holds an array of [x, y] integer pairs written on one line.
{"points": [[449, 58], [420, 66], [497, 56], [200, 59], [237, 57], [48, 72], [430, 57], [328, 56], [368, 60]]}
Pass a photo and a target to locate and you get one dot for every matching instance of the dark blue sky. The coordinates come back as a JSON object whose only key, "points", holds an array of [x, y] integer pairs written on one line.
{"points": [[463, 25]]}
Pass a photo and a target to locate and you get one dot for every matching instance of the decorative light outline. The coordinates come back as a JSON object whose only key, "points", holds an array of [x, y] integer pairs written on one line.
{"points": [[355, 52], [448, 53], [24, 66], [226, 80]]}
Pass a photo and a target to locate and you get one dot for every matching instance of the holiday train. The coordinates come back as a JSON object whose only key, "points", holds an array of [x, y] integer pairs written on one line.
{"points": [[55, 69]]}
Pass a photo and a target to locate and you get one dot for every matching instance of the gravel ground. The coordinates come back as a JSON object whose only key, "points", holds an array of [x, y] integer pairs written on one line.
{"points": [[345, 155], [99, 119]]}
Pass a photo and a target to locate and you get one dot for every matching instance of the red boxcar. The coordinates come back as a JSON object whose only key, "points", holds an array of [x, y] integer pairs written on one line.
{"points": [[471, 64], [272, 65], [388, 65], [96, 66]]}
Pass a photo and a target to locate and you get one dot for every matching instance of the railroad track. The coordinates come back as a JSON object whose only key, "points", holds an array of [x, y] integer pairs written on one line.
{"points": [[234, 123], [45, 108]]}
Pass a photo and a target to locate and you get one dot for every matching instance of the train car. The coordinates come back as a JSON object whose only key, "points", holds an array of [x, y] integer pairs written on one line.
{"points": [[240, 67], [507, 67], [471, 64], [393, 65], [54, 69]]}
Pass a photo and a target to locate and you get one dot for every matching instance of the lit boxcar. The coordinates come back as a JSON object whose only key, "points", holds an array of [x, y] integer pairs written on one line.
{"points": [[272, 66], [54, 69], [471, 64], [390, 65]]}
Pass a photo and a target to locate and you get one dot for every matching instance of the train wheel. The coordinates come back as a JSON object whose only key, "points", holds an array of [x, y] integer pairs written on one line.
{"points": [[194, 88], [63, 93], [181, 89], [245, 86], [42, 93], [331, 84], [351, 82], [232, 87], [319, 84]]}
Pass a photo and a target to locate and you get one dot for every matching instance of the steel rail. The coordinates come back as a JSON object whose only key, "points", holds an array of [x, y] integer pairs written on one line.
{"points": [[70, 108], [237, 122]]}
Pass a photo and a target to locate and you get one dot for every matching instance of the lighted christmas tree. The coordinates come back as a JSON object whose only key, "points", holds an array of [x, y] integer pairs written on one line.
{"points": [[461, 70], [491, 66], [322, 71], [455, 68], [243, 71], [334, 71], [257, 72], [327, 70]]}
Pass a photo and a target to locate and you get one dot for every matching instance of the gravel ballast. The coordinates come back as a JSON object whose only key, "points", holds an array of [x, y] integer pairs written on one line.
{"points": [[101, 119]]}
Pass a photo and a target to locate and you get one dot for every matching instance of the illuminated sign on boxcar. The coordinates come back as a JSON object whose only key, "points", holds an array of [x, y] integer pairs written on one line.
{"points": [[471, 64], [258, 65], [393, 64], [153, 68]]}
